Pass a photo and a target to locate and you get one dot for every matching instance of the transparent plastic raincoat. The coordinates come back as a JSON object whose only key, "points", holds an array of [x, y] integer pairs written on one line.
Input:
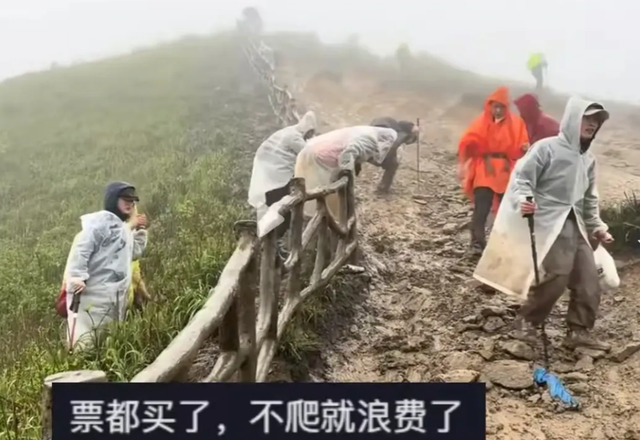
{"points": [[560, 178], [275, 160], [321, 160], [101, 255]]}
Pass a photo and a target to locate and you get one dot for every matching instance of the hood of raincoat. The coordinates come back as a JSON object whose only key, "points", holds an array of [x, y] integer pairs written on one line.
{"points": [[111, 195], [500, 95], [529, 107], [306, 123], [572, 122]]}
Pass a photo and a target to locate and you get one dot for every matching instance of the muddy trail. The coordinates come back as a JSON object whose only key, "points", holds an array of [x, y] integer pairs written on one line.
{"points": [[424, 319]]}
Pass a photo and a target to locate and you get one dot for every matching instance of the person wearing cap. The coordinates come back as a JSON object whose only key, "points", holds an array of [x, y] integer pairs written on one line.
{"points": [[555, 182], [99, 263], [407, 135]]}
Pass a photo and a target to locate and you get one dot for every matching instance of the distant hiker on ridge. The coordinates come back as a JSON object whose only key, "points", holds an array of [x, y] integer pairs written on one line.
{"points": [[487, 152], [537, 65], [407, 135], [539, 125], [273, 168]]}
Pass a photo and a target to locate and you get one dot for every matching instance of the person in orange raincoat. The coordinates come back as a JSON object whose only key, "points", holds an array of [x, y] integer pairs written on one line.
{"points": [[487, 153]]}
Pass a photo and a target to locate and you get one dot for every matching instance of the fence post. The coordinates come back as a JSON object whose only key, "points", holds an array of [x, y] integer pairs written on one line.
{"points": [[295, 237], [351, 214], [81, 376], [247, 312]]}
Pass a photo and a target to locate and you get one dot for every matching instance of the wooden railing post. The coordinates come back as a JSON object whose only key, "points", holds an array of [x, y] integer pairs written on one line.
{"points": [[268, 317], [351, 214], [81, 376], [295, 238], [247, 323], [322, 245]]}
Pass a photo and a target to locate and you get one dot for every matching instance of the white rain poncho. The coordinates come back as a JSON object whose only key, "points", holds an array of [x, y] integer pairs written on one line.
{"points": [[324, 156], [101, 255], [275, 161], [559, 178]]}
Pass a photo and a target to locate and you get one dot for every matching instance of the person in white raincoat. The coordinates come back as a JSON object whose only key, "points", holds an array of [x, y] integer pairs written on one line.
{"points": [[559, 173], [326, 155], [99, 263], [274, 165]]}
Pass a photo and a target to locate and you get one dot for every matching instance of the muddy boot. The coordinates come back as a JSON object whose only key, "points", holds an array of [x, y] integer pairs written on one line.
{"points": [[475, 249], [580, 337], [524, 331]]}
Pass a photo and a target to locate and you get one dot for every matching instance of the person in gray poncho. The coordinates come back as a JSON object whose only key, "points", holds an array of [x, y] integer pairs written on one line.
{"points": [[559, 174], [99, 263]]}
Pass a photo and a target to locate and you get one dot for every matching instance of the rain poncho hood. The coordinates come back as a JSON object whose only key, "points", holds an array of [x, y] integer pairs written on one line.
{"points": [[275, 160], [111, 195], [539, 124], [560, 175], [101, 256], [321, 160]]}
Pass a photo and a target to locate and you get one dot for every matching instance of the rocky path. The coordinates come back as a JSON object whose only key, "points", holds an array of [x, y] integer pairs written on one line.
{"points": [[424, 319]]}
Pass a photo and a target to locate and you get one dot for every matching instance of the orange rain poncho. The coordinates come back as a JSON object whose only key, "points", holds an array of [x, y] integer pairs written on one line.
{"points": [[488, 150]]}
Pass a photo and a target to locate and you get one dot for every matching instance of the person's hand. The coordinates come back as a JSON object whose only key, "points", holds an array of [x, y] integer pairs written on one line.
{"points": [[526, 146], [140, 222], [527, 208], [77, 285], [603, 237], [462, 171]]}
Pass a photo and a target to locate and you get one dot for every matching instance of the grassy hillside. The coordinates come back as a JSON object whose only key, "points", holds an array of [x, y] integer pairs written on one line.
{"points": [[178, 122]]}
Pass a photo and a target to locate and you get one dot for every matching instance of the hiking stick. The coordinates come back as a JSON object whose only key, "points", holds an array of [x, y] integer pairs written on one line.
{"points": [[75, 305], [418, 152], [534, 254]]}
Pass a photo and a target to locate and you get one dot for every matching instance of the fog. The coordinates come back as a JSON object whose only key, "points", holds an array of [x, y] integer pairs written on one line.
{"points": [[589, 44]]}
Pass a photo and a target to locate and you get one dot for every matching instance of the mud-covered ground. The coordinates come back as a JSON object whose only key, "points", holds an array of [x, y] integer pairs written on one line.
{"points": [[424, 319]]}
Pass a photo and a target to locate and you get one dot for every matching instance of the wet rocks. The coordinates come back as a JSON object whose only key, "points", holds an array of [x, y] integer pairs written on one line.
{"points": [[461, 360], [493, 324], [460, 376], [595, 354], [519, 350], [585, 364], [450, 228], [626, 352], [509, 374]]}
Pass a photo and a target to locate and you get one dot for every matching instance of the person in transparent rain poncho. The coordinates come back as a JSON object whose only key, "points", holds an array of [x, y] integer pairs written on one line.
{"points": [[559, 174], [273, 168], [99, 264], [321, 161]]}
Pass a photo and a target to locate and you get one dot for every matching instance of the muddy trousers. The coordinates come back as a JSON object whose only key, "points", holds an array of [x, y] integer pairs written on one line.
{"points": [[537, 74], [274, 196], [482, 203], [569, 264], [390, 166]]}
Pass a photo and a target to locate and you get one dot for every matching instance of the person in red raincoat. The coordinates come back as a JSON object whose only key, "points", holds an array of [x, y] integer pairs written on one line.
{"points": [[539, 124]]}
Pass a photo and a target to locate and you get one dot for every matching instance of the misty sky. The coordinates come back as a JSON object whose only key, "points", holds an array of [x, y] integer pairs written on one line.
{"points": [[590, 45]]}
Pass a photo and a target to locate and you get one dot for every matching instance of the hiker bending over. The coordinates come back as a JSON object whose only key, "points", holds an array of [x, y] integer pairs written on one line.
{"points": [[99, 263], [539, 125], [487, 152], [321, 161], [559, 173], [273, 168], [407, 135]]}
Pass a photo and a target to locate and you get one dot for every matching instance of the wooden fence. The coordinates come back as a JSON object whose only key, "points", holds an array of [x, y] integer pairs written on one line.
{"points": [[255, 275]]}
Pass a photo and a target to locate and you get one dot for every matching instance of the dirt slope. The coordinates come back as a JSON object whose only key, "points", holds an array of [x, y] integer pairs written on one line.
{"points": [[423, 319]]}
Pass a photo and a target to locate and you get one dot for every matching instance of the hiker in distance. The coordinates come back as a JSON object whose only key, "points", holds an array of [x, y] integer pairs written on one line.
{"points": [[537, 65], [273, 168], [99, 263], [539, 124], [559, 174], [348, 148], [407, 135], [487, 153]]}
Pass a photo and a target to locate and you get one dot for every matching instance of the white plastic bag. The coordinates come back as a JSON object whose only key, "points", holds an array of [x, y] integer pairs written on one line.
{"points": [[609, 278]]}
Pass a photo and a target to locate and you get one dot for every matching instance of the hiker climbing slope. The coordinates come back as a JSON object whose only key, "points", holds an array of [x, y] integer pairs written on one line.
{"points": [[99, 263], [537, 65], [539, 124], [274, 165], [407, 135], [487, 152], [321, 161], [559, 173]]}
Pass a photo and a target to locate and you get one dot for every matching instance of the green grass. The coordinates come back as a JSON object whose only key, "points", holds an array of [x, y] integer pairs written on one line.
{"points": [[171, 120], [623, 219]]}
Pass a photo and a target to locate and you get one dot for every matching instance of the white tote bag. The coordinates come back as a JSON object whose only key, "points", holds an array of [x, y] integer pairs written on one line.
{"points": [[609, 278]]}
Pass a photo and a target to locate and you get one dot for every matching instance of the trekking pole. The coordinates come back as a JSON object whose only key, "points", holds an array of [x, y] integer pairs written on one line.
{"points": [[534, 254], [75, 305], [418, 152]]}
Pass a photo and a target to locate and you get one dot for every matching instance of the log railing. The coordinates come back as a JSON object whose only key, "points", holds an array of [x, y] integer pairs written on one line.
{"points": [[243, 306]]}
